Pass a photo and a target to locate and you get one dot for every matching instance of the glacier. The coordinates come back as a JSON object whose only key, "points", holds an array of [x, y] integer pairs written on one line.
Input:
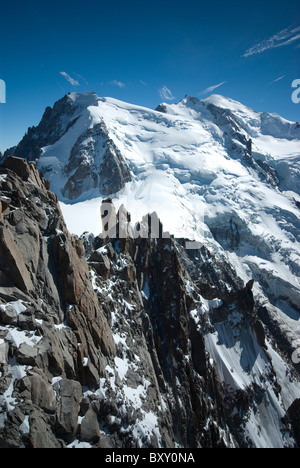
{"points": [[215, 172]]}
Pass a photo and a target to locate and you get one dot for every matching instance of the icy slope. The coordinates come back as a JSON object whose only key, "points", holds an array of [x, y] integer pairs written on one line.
{"points": [[214, 170], [207, 167]]}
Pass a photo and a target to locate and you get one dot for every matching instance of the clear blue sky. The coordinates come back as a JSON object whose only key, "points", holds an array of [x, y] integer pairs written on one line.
{"points": [[146, 52]]}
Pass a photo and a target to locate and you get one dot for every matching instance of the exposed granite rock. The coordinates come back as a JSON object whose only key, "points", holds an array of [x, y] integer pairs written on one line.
{"points": [[89, 427], [294, 416], [44, 285], [49, 130], [114, 172], [95, 163], [68, 394], [123, 349]]}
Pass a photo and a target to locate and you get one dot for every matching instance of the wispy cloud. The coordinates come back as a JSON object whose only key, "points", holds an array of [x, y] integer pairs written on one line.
{"points": [[70, 79], [212, 88], [277, 79], [82, 78], [117, 83], [283, 38], [166, 93]]}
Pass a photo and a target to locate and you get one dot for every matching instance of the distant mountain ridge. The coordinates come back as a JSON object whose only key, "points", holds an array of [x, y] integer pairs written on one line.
{"points": [[74, 133], [89, 163]]}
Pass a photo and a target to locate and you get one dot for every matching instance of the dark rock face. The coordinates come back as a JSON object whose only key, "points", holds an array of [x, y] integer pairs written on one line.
{"points": [[50, 129], [47, 298], [128, 348], [94, 161], [94, 165], [294, 416]]}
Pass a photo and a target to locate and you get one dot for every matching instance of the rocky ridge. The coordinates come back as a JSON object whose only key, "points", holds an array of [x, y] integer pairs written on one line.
{"points": [[129, 342], [94, 162], [230, 174]]}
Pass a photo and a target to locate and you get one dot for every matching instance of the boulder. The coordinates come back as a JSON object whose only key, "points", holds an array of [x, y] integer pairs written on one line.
{"points": [[70, 268], [12, 262], [42, 393], [3, 352], [129, 273], [41, 435], [19, 166], [7, 315], [68, 395], [89, 429], [26, 355], [89, 375], [100, 263], [50, 357]]}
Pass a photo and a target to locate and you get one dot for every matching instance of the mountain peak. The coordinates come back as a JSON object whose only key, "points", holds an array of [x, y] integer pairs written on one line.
{"points": [[86, 99], [220, 176], [223, 101]]}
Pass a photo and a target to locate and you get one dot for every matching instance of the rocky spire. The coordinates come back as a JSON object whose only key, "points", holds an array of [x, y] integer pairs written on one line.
{"points": [[141, 344]]}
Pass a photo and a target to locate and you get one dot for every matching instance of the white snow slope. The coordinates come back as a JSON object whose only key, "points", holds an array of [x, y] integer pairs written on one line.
{"points": [[193, 172], [208, 169], [189, 165]]}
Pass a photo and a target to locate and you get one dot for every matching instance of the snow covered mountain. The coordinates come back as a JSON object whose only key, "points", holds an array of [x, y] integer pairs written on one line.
{"points": [[214, 170], [218, 173]]}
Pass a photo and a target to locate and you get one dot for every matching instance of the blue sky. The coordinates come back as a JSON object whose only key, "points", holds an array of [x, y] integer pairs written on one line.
{"points": [[145, 53]]}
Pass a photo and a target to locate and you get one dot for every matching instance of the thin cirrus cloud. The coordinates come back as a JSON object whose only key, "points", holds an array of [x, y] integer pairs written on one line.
{"points": [[70, 79], [166, 93], [283, 38], [117, 83], [277, 79], [212, 88]]}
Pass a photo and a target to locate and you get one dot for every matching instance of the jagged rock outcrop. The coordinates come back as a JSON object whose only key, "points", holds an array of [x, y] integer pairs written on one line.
{"points": [[51, 128], [94, 166], [51, 319], [128, 341], [214, 170], [94, 162], [294, 416]]}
